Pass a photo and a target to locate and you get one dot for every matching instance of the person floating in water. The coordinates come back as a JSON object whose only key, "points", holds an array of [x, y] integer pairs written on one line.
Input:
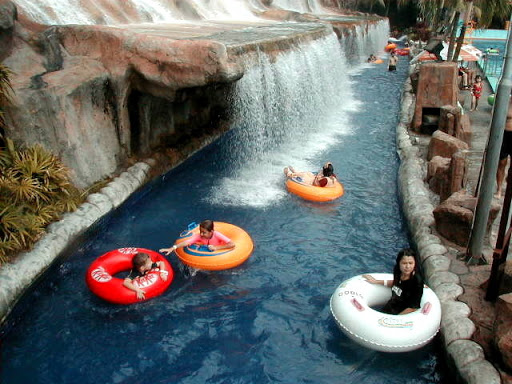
{"points": [[142, 264], [324, 178], [206, 236], [372, 58], [406, 286]]}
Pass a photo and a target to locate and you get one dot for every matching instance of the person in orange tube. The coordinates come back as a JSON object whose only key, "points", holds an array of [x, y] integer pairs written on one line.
{"points": [[323, 178], [206, 236]]}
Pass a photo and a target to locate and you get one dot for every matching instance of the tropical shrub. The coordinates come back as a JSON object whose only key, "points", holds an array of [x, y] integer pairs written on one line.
{"points": [[5, 91], [34, 191]]}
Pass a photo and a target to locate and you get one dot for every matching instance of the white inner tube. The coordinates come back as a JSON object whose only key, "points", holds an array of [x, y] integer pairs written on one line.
{"points": [[351, 306]]}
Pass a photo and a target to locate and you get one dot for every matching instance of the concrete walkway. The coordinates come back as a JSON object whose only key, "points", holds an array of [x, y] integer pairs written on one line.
{"points": [[467, 324]]}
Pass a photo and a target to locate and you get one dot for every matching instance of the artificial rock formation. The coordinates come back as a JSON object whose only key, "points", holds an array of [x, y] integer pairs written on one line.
{"points": [[454, 123], [444, 145], [99, 96], [436, 87], [503, 329], [447, 164], [454, 217]]}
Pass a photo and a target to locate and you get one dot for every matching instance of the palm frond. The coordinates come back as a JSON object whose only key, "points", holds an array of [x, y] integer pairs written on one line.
{"points": [[38, 184]]}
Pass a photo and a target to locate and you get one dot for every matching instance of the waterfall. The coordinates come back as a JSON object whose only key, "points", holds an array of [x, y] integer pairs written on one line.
{"points": [[154, 11], [290, 107], [286, 111], [304, 6], [289, 110], [364, 40]]}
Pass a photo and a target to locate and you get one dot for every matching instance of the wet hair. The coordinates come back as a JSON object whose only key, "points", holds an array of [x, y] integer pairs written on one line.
{"points": [[328, 170], [401, 254], [139, 260], [207, 224], [478, 77]]}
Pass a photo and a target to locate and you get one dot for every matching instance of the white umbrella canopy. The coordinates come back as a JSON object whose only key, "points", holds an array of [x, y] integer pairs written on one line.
{"points": [[467, 53]]}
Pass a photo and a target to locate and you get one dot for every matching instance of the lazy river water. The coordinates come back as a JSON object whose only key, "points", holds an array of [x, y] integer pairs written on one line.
{"points": [[268, 320]]}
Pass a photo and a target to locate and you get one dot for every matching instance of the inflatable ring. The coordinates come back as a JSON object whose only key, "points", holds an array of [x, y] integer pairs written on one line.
{"points": [[312, 192], [402, 51], [101, 281], [199, 256], [351, 307], [390, 47], [378, 61]]}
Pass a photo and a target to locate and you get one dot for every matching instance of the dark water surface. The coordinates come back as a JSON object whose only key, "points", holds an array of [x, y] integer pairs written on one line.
{"points": [[267, 321]]}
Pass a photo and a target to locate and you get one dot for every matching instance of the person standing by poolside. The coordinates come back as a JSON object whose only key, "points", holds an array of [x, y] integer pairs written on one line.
{"points": [[476, 92], [506, 150], [393, 61]]}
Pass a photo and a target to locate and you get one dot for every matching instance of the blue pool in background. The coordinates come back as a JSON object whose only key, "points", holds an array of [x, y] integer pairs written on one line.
{"points": [[492, 63], [268, 320]]}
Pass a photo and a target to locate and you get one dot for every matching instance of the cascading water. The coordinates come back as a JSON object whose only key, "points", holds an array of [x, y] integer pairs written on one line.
{"points": [[305, 6], [365, 40], [276, 105], [156, 11]]}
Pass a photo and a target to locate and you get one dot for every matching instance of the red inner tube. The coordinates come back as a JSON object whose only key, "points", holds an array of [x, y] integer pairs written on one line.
{"points": [[101, 280]]}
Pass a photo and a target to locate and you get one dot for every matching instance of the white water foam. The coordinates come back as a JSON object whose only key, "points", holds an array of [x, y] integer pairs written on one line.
{"points": [[55, 12]]}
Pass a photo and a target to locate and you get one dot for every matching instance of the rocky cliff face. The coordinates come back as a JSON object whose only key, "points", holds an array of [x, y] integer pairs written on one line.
{"points": [[98, 95]]}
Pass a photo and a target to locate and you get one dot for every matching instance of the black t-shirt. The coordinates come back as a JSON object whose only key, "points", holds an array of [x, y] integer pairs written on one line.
{"points": [[405, 294], [134, 273]]}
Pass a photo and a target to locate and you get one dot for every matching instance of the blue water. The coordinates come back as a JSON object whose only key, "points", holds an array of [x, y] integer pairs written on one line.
{"points": [[492, 65], [268, 320]]}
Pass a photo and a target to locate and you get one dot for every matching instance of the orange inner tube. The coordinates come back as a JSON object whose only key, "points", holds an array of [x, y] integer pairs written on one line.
{"points": [[314, 193], [201, 257], [390, 47]]}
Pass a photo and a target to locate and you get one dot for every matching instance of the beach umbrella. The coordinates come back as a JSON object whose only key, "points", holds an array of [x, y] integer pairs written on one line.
{"points": [[467, 53]]}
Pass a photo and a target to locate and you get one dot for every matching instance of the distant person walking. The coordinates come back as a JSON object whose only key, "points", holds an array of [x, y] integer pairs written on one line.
{"points": [[393, 61], [506, 150]]}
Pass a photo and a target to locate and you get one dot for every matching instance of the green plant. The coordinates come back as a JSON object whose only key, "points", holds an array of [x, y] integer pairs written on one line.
{"points": [[5, 91], [34, 191]]}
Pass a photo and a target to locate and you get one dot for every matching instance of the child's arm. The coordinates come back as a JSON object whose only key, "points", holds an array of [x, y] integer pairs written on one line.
{"points": [[167, 251], [128, 283], [230, 244], [191, 240], [163, 271], [227, 242]]}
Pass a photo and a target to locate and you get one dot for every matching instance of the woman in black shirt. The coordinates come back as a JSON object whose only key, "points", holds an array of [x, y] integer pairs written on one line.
{"points": [[406, 287]]}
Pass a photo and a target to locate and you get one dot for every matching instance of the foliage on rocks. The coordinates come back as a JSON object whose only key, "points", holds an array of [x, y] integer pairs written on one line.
{"points": [[34, 191], [5, 91]]}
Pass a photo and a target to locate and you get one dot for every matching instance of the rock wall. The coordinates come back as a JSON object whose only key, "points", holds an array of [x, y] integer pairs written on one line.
{"points": [[437, 87], [113, 97], [101, 97]]}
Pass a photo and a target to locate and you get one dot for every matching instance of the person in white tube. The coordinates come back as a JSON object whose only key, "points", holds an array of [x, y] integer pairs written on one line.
{"points": [[406, 286]]}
